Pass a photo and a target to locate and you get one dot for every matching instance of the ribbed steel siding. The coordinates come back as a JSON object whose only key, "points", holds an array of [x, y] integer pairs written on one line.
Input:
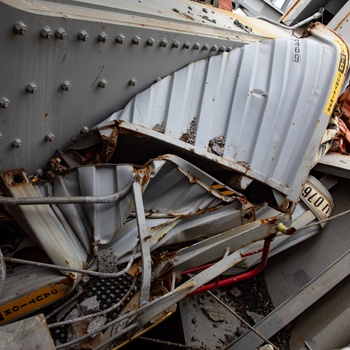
{"points": [[268, 108]]}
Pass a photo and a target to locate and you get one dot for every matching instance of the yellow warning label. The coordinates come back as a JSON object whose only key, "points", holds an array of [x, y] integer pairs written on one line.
{"points": [[338, 79], [30, 302]]}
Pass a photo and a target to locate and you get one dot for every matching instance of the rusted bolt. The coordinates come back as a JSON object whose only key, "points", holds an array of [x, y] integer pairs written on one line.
{"points": [[120, 38], [132, 82], [60, 33], [66, 85], [83, 35], [32, 88], [50, 137], [175, 44], [102, 83], [17, 143], [20, 28], [150, 42], [222, 49], [46, 32], [4, 102], [84, 130], [186, 45], [196, 46], [205, 47], [163, 42], [214, 48], [102, 37], [136, 40]]}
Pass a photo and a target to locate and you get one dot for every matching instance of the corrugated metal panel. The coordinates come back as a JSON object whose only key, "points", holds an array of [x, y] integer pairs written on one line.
{"points": [[267, 101]]}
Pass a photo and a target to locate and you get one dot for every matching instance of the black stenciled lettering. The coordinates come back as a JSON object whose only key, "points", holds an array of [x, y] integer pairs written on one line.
{"points": [[318, 201]]}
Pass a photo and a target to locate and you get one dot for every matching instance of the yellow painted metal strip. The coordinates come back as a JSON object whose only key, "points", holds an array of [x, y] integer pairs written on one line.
{"points": [[343, 61], [30, 302]]}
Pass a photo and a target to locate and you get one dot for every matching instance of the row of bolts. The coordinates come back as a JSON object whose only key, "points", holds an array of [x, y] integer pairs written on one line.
{"points": [[60, 33]]}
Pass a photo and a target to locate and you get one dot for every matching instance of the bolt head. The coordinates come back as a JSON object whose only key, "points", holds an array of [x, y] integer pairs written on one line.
{"points": [[17, 143], [196, 46], [66, 85], [103, 37], [214, 48], [46, 32], [136, 40], [61, 34], [50, 137], [132, 82], [32, 88], [39, 172], [102, 83], [83, 35], [163, 42], [175, 44], [205, 47], [186, 45], [222, 48], [4, 102], [120, 38], [150, 42], [229, 49], [84, 130], [20, 28]]}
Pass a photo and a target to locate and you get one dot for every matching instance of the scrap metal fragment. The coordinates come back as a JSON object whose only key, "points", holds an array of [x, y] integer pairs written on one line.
{"points": [[217, 145]]}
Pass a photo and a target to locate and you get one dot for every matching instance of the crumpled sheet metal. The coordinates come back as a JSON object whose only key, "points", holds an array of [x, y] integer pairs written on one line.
{"points": [[174, 193], [272, 119]]}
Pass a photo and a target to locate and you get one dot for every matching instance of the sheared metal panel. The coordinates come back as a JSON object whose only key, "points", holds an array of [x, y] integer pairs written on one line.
{"points": [[260, 110]]}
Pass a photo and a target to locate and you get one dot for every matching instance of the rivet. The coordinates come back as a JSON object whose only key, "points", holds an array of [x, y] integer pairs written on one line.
{"points": [[17, 143], [46, 32], [4, 102], [175, 44], [136, 40], [84, 130], [120, 38], [186, 45], [205, 47], [205, 10], [163, 42], [150, 42], [32, 88], [20, 28], [158, 79], [39, 172], [222, 48], [83, 35], [66, 85], [132, 82], [60, 33], [214, 48], [102, 83], [196, 46], [103, 37], [50, 137]]}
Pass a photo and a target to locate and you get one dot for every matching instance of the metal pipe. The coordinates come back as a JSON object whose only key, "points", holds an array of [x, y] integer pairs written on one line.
{"points": [[70, 269], [241, 277], [296, 26], [67, 200]]}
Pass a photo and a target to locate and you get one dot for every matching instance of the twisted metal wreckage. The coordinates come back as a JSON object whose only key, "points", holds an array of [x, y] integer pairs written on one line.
{"points": [[206, 169]]}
